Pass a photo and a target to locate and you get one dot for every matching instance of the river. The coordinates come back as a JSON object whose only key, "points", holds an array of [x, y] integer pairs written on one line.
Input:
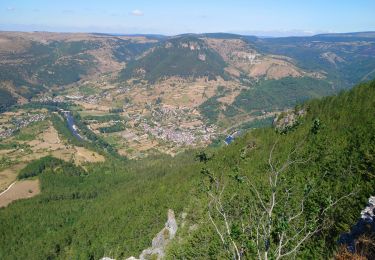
{"points": [[71, 125]]}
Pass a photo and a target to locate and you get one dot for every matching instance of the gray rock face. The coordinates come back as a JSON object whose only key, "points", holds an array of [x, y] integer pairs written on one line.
{"points": [[160, 241], [368, 213], [288, 120], [162, 238], [365, 225], [166, 233]]}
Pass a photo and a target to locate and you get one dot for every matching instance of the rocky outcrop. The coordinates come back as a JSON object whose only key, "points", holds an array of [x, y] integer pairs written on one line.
{"points": [[364, 226], [288, 120], [161, 239], [368, 213], [332, 58], [159, 242]]}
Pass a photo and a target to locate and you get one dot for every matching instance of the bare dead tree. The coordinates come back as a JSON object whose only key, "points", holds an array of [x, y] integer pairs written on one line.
{"points": [[222, 225], [261, 222], [225, 235]]}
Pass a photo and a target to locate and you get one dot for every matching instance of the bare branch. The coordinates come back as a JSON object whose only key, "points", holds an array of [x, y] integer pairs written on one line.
{"points": [[299, 213], [308, 235], [337, 201], [216, 228], [257, 193], [220, 209], [261, 220], [270, 156], [279, 248]]}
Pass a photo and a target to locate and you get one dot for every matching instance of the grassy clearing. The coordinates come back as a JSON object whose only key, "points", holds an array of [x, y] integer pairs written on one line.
{"points": [[20, 190], [29, 133]]}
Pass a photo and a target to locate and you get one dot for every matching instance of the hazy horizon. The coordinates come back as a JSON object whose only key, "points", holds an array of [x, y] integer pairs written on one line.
{"points": [[259, 18]]}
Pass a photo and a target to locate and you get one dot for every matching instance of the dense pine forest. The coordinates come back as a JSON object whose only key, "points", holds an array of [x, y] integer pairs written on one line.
{"points": [[290, 193], [271, 194]]}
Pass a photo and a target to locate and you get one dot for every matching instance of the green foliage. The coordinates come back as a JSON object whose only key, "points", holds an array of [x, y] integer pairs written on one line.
{"points": [[279, 94], [113, 128], [10, 145], [14, 75], [30, 132], [257, 123], [113, 210], [94, 142], [118, 206], [231, 111], [50, 71], [39, 166], [104, 118], [266, 95], [88, 90], [336, 142], [60, 124], [5, 163], [116, 110], [51, 106], [355, 63], [177, 60], [126, 50], [55, 63], [210, 109], [64, 48], [6, 100]]}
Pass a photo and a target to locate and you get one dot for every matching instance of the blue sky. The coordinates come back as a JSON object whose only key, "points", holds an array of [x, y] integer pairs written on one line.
{"points": [[260, 17]]}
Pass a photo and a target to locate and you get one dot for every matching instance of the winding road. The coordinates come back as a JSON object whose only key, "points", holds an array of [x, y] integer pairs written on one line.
{"points": [[10, 186]]}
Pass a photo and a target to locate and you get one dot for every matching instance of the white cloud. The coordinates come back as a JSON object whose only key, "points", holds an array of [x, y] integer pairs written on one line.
{"points": [[11, 9], [136, 13]]}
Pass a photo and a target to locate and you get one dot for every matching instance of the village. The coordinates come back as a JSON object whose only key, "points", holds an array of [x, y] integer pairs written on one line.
{"points": [[15, 123], [140, 119], [148, 126]]}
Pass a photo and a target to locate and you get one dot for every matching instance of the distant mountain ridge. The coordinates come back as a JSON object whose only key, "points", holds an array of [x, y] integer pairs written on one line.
{"points": [[32, 63], [366, 34]]}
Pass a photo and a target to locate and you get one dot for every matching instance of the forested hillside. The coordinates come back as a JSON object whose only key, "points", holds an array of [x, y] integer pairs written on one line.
{"points": [[183, 56], [344, 63], [114, 208], [290, 193], [271, 193]]}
